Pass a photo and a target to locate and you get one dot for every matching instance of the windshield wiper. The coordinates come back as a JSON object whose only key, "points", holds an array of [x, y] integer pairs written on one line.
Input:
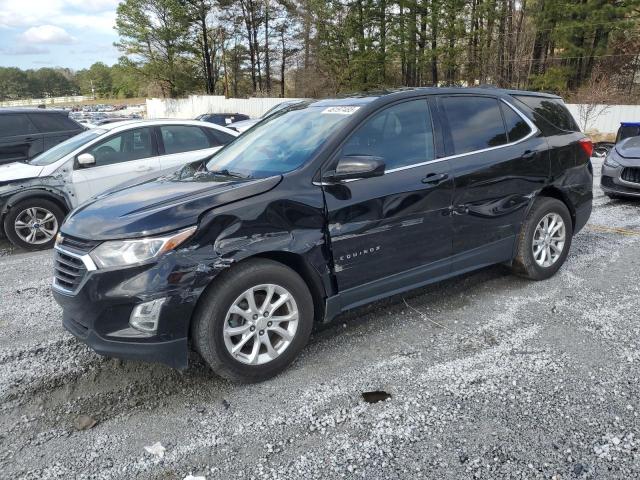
{"points": [[226, 173]]}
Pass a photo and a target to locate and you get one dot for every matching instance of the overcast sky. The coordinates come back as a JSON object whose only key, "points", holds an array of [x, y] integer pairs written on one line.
{"points": [[57, 33]]}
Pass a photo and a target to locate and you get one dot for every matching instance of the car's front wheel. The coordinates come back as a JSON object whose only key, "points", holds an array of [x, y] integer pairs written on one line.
{"points": [[32, 224], [545, 239], [253, 321]]}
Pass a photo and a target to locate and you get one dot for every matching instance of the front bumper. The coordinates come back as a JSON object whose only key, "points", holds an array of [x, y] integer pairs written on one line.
{"points": [[98, 312], [612, 183], [173, 353]]}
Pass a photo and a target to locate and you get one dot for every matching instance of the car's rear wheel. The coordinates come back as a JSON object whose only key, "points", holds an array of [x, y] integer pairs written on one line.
{"points": [[545, 239], [33, 224], [253, 321]]}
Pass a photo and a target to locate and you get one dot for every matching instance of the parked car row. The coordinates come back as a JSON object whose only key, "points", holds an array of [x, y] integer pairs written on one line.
{"points": [[240, 122], [36, 195], [321, 207]]}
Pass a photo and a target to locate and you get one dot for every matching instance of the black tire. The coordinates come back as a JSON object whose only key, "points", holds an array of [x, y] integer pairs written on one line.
{"points": [[209, 318], [524, 263], [18, 208]]}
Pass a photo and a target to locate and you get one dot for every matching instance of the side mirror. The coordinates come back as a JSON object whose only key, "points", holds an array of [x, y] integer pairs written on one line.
{"points": [[86, 160], [355, 167]]}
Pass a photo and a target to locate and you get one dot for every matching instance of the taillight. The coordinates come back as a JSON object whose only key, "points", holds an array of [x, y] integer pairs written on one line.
{"points": [[587, 146]]}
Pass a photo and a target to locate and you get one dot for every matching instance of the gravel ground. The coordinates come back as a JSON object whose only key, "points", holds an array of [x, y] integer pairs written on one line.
{"points": [[490, 376]]}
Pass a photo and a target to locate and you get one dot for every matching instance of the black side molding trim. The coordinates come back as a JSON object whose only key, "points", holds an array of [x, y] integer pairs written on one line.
{"points": [[491, 254]]}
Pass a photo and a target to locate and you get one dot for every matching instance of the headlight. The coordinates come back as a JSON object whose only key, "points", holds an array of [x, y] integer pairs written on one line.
{"points": [[610, 162], [117, 253]]}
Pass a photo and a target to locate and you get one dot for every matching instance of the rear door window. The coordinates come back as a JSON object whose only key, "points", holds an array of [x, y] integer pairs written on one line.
{"points": [[475, 123], [517, 128], [552, 110], [47, 122], [15, 124], [183, 138], [401, 135]]}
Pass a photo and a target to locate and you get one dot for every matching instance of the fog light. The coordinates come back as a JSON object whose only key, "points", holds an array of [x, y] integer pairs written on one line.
{"points": [[145, 316]]}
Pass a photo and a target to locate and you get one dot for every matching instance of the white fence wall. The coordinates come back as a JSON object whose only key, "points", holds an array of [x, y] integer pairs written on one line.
{"points": [[608, 122], [32, 102], [198, 104]]}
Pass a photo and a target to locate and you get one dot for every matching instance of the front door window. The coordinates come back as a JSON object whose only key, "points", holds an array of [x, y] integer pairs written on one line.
{"points": [[123, 147]]}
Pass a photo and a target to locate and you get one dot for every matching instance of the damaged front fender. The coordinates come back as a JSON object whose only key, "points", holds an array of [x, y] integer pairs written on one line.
{"points": [[51, 191], [57, 187]]}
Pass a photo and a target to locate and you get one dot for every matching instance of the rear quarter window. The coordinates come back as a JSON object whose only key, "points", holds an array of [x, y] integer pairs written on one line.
{"points": [[552, 110], [217, 138]]}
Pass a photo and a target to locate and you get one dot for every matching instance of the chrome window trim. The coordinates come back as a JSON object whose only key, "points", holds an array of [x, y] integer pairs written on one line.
{"points": [[534, 131]]}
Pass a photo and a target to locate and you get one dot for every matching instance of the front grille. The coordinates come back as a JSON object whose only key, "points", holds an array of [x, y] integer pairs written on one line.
{"points": [[631, 174], [78, 245], [68, 271], [607, 182]]}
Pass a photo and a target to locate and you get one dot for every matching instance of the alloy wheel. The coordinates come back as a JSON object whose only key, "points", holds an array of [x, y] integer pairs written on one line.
{"points": [[260, 324], [549, 240], [36, 225]]}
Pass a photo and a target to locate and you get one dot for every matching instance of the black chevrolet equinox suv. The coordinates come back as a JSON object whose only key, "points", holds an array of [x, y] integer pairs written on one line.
{"points": [[325, 206]]}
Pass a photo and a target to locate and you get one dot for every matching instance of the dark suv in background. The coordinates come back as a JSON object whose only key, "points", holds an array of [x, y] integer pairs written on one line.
{"points": [[323, 207], [27, 132], [222, 119]]}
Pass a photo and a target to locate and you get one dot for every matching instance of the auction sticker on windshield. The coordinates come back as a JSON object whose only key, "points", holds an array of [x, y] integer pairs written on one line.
{"points": [[344, 110]]}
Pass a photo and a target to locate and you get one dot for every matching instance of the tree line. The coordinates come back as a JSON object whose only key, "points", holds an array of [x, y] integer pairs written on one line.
{"points": [[315, 48], [308, 48], [100, 80]]}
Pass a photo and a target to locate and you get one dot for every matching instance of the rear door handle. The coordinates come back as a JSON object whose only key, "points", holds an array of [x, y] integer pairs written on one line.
{"points": [[528, 154], [143, 169], [435, 178]]}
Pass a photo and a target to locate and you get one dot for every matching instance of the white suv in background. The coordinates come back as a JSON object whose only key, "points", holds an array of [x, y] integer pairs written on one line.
{"points": [[36, 196]]}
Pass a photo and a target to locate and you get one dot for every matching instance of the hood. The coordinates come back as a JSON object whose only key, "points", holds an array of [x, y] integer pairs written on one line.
{"points": [[159, 205], [18, 171], [629, 148]]}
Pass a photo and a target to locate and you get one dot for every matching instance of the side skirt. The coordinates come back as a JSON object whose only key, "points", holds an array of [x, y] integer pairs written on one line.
{"points": [[491, 254]]}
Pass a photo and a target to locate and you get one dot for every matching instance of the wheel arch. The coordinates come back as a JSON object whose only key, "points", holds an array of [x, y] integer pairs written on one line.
{"points": [[302, 267], [35, 193], [296, 262], [554, 192]]}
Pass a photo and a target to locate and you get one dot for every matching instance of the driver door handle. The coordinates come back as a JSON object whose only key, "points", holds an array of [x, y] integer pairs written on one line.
{"points": [[143, 169], [435, 178]]}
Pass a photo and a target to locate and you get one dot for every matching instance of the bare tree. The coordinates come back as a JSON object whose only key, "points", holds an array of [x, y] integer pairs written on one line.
{"points": [[593, 99]]}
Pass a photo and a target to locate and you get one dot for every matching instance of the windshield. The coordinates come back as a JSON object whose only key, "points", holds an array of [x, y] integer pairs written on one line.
{"points": [[65, 148], [279, 144]]}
